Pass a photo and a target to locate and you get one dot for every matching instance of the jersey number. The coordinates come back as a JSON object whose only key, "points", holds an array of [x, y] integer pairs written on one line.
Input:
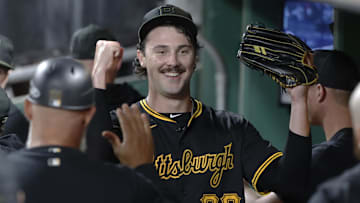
{"points": [[226, 198]]}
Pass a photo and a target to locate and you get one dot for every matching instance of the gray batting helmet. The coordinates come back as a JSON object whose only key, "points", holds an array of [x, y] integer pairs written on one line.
{"points": [[62, 83]]}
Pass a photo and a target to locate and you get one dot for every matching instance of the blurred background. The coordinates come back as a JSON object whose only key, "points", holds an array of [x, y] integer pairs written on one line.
{"points": [[42, 29]]}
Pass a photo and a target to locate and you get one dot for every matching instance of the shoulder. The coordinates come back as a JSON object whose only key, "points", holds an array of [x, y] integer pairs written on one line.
{"points": [[223, 116], [343, 188]]}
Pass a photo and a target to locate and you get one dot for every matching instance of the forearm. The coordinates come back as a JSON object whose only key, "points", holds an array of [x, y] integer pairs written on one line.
{"points": [[299, 123], [294, 168], [98, 148], [99, 78]]}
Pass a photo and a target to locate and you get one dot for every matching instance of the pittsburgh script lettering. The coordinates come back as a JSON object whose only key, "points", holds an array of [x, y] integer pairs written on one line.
{"points": [[216, 163]]}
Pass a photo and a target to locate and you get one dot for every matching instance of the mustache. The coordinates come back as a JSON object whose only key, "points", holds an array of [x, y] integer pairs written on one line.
{"points": [[176, 69]]}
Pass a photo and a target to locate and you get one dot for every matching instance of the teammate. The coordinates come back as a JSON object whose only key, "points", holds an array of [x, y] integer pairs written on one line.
{"points": [[82, 48], [52, 169], [8, 142], [201, 155], [16, 124], [345, 187], [6, 59], [328, 107]]}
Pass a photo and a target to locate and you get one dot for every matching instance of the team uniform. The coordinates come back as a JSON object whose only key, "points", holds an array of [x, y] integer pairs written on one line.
{"points": [[203, 156], [10, 143], [61, 174], [331, 158], [344, 188], [16, 123]]}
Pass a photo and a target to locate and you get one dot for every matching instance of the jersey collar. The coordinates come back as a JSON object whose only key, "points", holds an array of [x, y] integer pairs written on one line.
{"points": [[197, 110]]}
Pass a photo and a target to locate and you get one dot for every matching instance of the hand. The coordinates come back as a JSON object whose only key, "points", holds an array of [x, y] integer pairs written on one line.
{"points": [[298, 93], [107, 62], [299, 122], [137, 146]]}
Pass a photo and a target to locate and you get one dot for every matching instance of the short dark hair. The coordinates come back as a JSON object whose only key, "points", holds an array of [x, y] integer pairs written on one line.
{"points": [[141, 71], [165, 15]]}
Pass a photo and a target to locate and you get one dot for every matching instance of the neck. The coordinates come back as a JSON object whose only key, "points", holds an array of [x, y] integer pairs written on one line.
{"points": [[45, 136], [335, 120], [169, 105]]}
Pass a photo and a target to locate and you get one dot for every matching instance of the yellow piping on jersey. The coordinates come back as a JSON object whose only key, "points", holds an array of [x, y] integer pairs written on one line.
{"points": [[197, 112], [155, 114], [153, 126], [262, 168], [150, 111]]}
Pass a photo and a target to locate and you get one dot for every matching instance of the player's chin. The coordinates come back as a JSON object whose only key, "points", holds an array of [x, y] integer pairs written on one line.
{"points": [[175, 92]]}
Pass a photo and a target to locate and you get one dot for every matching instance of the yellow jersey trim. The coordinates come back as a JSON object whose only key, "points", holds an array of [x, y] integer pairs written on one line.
{"points": [[261, 169], [153, 126], [153, 113], [197, 112]]}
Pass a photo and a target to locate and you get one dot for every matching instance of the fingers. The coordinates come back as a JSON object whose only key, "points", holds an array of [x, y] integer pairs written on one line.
{"points": [[112, 138], [119, 56], [137, 116], [146, 124], [123, 123]]}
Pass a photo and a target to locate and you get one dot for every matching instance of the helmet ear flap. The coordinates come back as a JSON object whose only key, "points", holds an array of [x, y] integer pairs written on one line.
{"points": [[62, 83]]}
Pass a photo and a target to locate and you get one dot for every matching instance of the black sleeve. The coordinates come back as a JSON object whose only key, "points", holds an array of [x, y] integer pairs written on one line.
{"points": [[289, 175], [269, 169], [105, 119], [117, 94], [98, 148]]}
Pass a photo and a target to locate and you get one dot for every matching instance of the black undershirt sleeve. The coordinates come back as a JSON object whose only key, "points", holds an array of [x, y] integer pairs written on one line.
{"points": [[98, 148], [289, 174], [105, 118]]}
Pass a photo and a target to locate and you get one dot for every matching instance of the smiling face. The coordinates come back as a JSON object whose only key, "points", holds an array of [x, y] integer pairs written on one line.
{"points": [[169, 58]]}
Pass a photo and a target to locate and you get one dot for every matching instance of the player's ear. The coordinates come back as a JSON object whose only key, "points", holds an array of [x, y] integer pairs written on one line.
{"points": [[28, 109], [141, 57], [321, 93]]}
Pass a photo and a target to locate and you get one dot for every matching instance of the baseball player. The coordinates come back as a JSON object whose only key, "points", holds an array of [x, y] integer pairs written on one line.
{"points": [[328, 101], [201, 154], [344, 188], [16, 124], [82, 48], [328, 106], [52, 169], [8, 142]]}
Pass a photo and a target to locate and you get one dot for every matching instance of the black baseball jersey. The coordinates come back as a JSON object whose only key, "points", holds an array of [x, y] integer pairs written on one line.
{"points": [[8, 187], [344, 188], [61, 174], [10, 143], [331, 158], [205, 158], [16, 123]]}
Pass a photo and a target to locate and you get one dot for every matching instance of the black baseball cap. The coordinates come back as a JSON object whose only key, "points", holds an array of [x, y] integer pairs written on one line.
{"points": [[336, 69], [6, 52], [83, 41], [163, 15]]}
